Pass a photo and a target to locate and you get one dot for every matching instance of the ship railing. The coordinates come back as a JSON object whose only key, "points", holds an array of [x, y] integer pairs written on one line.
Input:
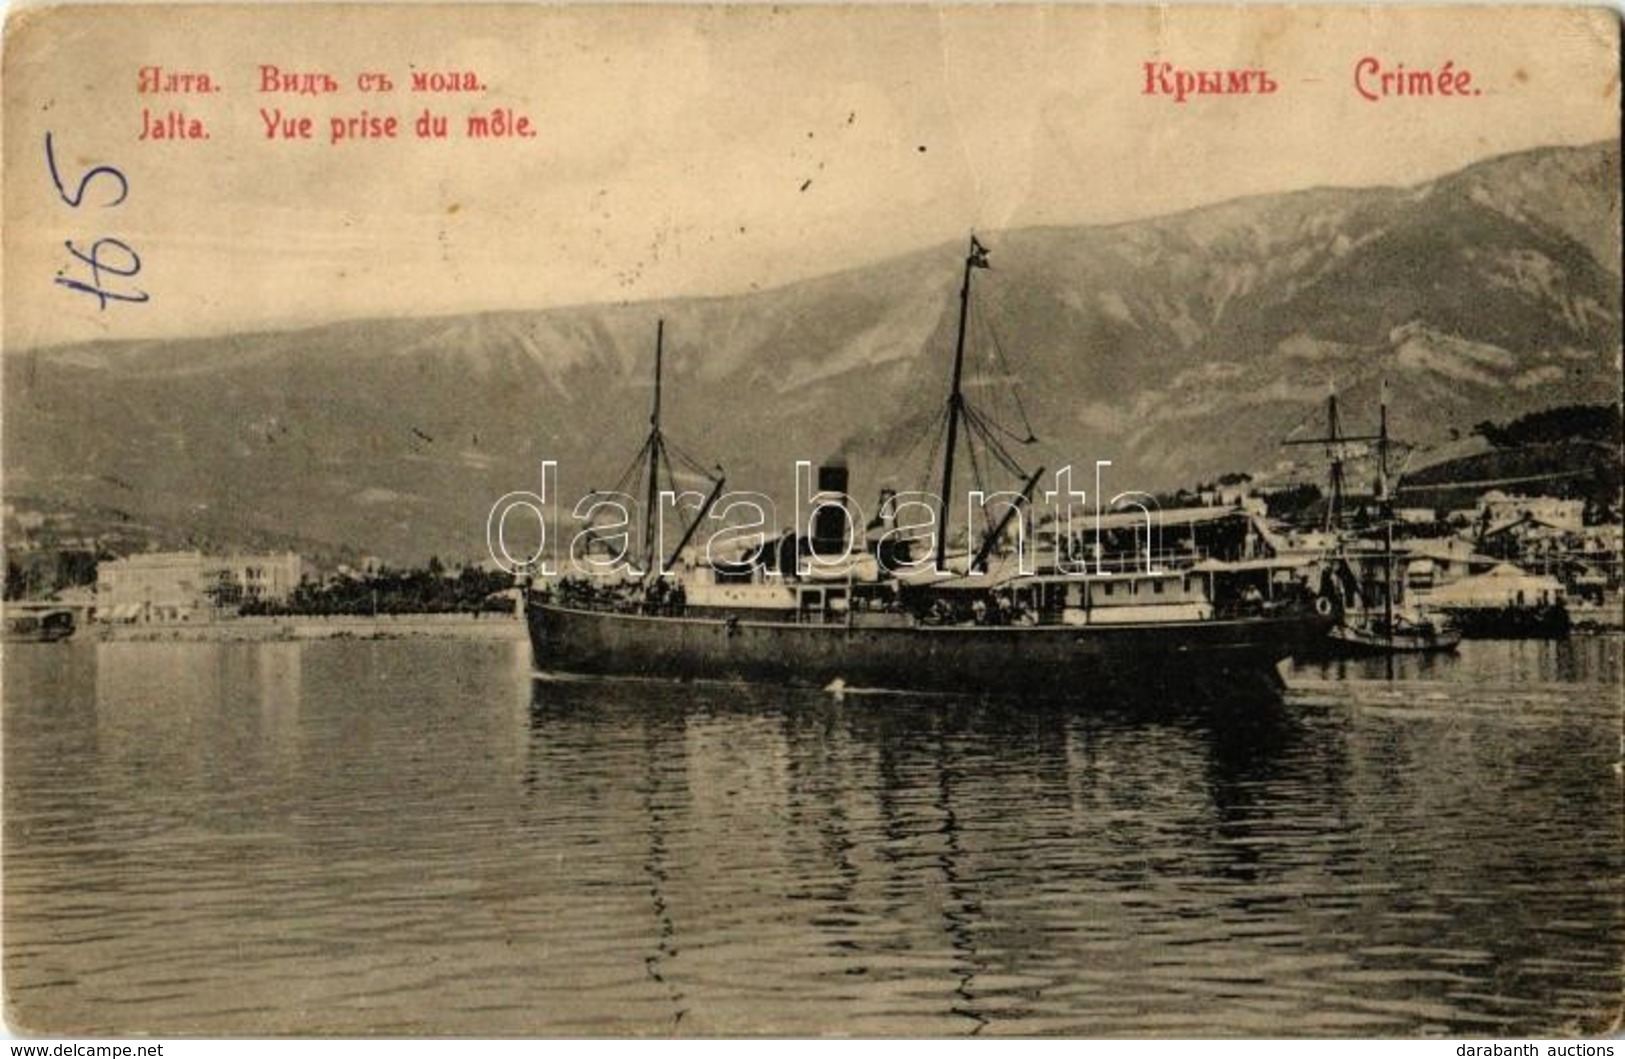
{"points": [[1281, 606], [1156, 562]]}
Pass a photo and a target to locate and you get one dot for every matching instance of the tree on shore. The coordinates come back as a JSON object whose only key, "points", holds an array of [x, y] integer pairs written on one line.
{"points": [[425, 590]]}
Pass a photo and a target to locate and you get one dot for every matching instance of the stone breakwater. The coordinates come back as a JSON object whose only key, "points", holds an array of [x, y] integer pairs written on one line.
{"points": [[382, 627]]}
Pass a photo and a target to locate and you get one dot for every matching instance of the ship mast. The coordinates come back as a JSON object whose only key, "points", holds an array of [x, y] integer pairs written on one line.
{"points": [[655, 455], [1382, 448], [975, 258], [1385, 509], [1334, 442], [1334, 499], [655, 448], [977, 427]]}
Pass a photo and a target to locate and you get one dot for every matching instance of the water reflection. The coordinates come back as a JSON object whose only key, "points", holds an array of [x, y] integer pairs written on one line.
{"points": [[417, 838], [979, 860], [1576, 660]]}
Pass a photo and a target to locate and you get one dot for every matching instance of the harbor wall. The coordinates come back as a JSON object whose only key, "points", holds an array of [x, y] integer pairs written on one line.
{"points": [[307, 627]]}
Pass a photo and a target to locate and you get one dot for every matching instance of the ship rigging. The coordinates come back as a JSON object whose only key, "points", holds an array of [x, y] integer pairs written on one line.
{"points": [[1208, 625]]}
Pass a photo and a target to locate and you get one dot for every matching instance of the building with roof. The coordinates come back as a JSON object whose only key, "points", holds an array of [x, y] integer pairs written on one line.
{"points": [[1496, 508], [190, 586]]}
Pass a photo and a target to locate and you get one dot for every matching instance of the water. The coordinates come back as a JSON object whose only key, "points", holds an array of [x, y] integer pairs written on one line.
{"points": [[402, 838]]}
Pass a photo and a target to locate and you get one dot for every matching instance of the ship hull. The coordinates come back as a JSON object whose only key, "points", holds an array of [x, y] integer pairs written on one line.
{"points": [[50, 628], [1217, 658]]}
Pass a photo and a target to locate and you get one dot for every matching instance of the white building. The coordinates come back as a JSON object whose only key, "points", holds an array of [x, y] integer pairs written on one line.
{"points": [[191, 586]]}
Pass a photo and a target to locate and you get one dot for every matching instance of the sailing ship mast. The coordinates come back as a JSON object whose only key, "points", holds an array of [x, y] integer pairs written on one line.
{"points": [[655, 446], [1334, 441], [654, 455], [1385, 510], [975, 257]]}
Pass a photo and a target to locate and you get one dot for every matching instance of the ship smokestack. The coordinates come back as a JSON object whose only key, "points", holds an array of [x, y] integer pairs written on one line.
{"points": [[833, 522]]}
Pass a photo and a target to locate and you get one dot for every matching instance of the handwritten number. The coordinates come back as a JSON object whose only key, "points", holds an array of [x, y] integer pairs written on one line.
{"points": [[129, 266], [97, 265], [107, 258], [103, 296], [78, 197]]}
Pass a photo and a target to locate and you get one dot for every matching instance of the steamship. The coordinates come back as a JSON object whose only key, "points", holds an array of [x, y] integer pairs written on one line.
{"points": [[1213, 614]]}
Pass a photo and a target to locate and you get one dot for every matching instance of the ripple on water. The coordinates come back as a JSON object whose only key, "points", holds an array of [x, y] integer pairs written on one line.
{"points": [[397, 838]]}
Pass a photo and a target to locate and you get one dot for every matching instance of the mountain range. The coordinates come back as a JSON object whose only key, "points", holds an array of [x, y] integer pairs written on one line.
{"points": [[1178, 347]]}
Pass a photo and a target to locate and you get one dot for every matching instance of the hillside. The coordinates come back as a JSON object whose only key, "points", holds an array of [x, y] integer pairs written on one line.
{"points": [[1178, 347], [1584, 470]]}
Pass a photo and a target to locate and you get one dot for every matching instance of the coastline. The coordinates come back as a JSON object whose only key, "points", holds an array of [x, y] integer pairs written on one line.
{"points": [[313, 627]]}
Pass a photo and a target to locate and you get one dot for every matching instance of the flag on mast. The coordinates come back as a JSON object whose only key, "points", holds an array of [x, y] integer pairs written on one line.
{"points": [[978, 254]]}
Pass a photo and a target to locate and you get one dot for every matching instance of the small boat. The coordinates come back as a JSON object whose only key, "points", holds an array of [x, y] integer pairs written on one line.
{"points": [[1394, 626], [38, 626], [1398, 635]]}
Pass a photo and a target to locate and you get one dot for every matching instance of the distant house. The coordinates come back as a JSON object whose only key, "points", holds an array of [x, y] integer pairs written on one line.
{"points": [[24, 519], [1234, 491], [1428, 564], [1496, 508], [1530, 541], [191, 586]]}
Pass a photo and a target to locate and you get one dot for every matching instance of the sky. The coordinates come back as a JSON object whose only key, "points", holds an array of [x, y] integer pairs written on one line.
{"points": [[699, 150]]}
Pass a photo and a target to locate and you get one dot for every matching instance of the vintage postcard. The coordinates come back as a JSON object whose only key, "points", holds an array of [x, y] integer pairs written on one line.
{"points": [[889, 521]]}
